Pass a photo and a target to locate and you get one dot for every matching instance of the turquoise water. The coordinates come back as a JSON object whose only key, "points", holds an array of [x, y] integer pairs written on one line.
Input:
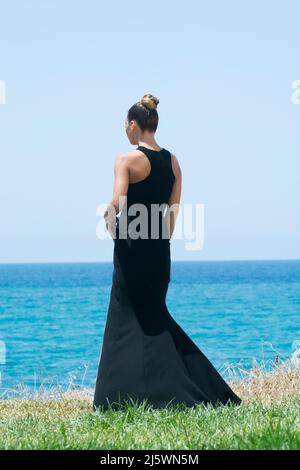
{"points": [[53, 315]]}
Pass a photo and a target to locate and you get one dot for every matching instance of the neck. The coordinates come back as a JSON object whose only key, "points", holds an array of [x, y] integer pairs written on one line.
{"points": [[150, 144], [148, 141]]}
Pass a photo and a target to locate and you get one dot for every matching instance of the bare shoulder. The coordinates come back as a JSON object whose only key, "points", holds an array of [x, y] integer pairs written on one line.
{"points": [[175, 165], [124, 160]]}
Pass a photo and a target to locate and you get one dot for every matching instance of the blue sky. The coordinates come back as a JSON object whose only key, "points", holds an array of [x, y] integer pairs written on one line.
{"points": [[223, 73]]}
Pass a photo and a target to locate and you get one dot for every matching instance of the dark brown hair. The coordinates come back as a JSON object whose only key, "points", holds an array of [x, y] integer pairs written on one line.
{"points": [[144, 113]]}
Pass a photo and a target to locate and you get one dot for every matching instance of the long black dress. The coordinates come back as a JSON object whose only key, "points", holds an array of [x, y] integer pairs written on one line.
{"points": [[146, 356]]}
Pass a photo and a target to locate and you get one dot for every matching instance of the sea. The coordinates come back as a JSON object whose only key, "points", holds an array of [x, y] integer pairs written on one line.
{"points": [[52, 317]]}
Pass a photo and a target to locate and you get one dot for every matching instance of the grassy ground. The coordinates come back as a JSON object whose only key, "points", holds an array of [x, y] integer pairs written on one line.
{"points": [[268, 418]]}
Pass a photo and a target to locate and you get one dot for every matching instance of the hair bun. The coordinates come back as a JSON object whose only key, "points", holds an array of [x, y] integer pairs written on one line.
{"points": [[150, 101]]}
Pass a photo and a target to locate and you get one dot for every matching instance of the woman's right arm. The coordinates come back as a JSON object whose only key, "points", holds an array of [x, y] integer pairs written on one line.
{"points": [[174, 199]]}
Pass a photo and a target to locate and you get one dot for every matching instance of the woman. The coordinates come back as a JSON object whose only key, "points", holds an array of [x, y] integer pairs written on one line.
{"points": [[146, 356]]}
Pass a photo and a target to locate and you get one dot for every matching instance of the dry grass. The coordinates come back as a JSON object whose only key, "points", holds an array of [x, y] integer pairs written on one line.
{"points": [[266, 382], [268, 418], [267, 386]]}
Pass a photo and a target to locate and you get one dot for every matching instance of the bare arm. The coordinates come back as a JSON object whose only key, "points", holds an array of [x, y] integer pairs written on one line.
{"points": [[174, 199], [121, 181]]}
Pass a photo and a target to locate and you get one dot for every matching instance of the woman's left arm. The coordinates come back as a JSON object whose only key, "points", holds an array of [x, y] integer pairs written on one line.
{"points": [[120, 189]]}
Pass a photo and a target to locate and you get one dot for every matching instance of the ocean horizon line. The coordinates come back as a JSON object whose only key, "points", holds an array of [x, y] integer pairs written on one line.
{"points": [[232, 260]]}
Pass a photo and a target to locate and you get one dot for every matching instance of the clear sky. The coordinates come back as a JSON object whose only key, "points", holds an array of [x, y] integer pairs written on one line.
{"points": [[223, 73]]}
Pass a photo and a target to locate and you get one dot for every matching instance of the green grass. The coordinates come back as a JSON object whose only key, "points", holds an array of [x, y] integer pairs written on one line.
{"points": [[71, 424], [268, 418]]}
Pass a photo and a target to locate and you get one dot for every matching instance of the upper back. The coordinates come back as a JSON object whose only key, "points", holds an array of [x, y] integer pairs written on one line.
{"points": [[156, 187]]}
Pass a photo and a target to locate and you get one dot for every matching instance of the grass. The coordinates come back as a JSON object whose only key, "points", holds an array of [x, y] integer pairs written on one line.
{"points": [[268, 418]]}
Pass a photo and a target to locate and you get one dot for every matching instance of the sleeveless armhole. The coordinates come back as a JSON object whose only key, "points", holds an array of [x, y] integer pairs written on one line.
{"points": [[151, 169], [171, 167]]}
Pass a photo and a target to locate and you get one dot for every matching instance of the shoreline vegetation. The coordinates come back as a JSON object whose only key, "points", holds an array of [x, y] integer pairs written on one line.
{"points": [[268, 418]]}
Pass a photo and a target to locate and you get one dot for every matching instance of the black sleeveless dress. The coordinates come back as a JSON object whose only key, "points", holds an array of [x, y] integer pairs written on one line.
{"points": [[146, 356]]}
